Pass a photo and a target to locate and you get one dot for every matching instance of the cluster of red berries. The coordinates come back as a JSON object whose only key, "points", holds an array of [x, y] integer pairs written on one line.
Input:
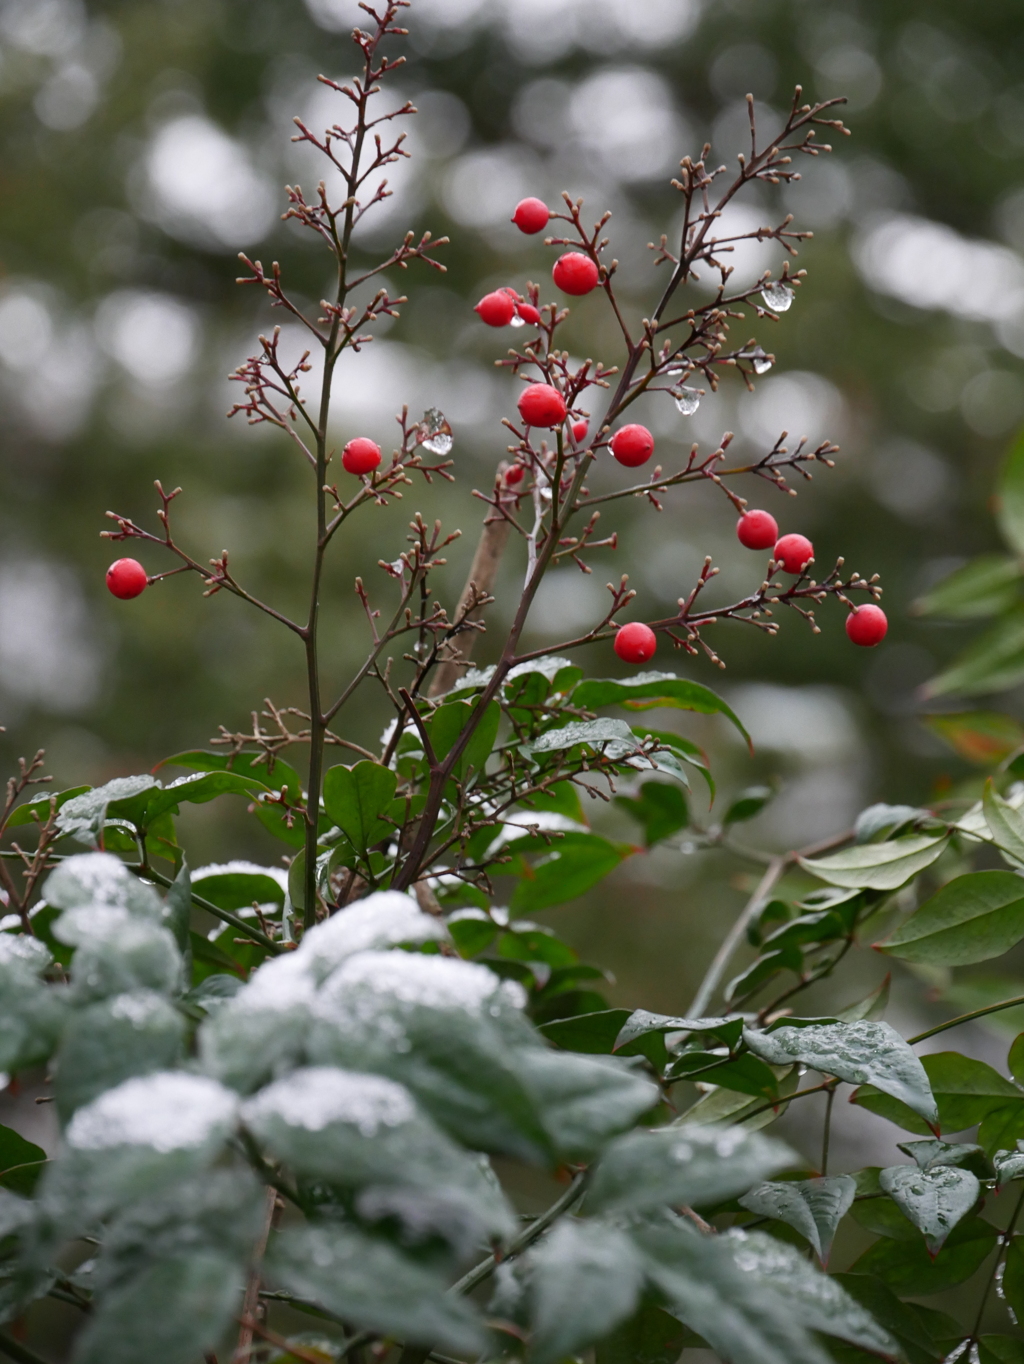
{"points": [[573, 273], [865, 625]]}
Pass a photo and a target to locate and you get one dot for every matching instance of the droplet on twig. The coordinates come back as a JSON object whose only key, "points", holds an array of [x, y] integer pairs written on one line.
{"points": [[435, 433], [687, 400], [778, 296], [762, 363]]}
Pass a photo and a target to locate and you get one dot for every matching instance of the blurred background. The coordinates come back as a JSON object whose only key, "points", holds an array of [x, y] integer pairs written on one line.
{"points": [[144, 143]]}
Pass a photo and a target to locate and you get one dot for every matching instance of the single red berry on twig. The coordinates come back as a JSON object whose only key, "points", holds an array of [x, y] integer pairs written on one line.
{"points": [[361, 456], [497, 309], [632, 445], [514, 475], [579, 431], [541, 405], [528, 313], [635, 642], [127, 578], [757, 530], [867, 625], [531, 216], [574, 273], [794, 553]]}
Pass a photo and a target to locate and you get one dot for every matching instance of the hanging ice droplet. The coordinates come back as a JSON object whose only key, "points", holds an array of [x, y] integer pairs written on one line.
{"points": [[778, 296], [518, 321], [762, 363], [436, 434], [687, 400]]}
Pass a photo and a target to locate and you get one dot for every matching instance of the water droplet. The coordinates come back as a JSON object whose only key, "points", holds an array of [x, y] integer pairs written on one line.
{"points": [[762, 363], [517, 321], [687, 400], [778, 296], [435, 433]]}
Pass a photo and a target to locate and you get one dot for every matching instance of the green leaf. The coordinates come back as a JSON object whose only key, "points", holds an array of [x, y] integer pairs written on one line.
{"points": [[572, 863], [965, 1091], [236, 885], [905, 1321], [652, 691], [594, 1033], [275, 773], [815, 1299], [871, 1007], [586, 1278], [761, 970], [82, 817], [472, 931], [37, 810], [972, 918], [1009, 1165], [1013, 1276], [934, 1200], [146, 808], [813, 1207], [178, 915], [880, 822], [650, 1336], [21, 1163], [669, 1166], [984, 737], [930, 1154], [584, 1101], [659, 808], [1010, 495], [908, 1268], [859, 1053], [745, 1073], [33, 1015], [613, 738], [1006, 824], [878, 866], [461, 1028], [172, 1312], [640, 1022], [110, 1041], [748, 803], [1000, 1350], [994, 662], [373, 1285], [710, 1283], [356, 798], [1003, 1126], [365, 1132], [987, 586]]}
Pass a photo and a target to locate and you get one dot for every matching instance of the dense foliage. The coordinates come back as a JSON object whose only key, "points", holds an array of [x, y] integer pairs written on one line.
{"points": [[280, 1091]]}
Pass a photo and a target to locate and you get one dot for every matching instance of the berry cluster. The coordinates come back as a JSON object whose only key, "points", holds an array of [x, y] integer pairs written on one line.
{"points": [[544, 406]]}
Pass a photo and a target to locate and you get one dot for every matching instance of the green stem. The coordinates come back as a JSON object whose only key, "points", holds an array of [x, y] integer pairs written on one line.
{"points": [[225, 915], [1004, 1240], [966, 1018], [826, 1134], [526, 1238]]}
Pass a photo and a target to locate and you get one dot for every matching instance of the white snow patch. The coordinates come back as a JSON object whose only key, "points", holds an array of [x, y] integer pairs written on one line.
{"points": [[387, 918], [239, 866], [279, 985], [366, 982], [24, 950], [169, 1111], [318, 1096]]}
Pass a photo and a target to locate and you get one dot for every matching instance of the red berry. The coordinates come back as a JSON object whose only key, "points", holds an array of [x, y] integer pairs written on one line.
{"points": [[541, 405], [579, 431], [867, 625], [574, 273], [635, 642], [794, 553], [632, 445], [757, 530], [514, 475], [497, 309], [361, 456], [531, 216], [127, 578], [529, 314]]}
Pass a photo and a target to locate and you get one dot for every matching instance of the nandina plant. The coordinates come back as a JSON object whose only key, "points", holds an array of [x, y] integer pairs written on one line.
{"points": [[279, 1088]]}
